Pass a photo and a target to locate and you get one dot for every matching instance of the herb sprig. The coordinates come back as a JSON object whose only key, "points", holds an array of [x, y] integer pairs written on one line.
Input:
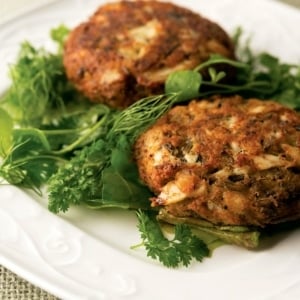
{"points": [[38, 82], [178, 250], [103, 173]]}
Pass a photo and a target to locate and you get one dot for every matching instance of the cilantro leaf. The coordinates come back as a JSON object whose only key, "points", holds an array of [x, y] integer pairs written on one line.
{"points": [[180, 250]]}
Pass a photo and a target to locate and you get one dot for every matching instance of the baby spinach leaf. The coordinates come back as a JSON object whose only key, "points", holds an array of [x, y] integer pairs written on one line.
{"points": [[122, 191]]}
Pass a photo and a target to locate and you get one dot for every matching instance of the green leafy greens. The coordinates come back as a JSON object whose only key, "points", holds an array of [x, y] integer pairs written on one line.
{"points": [[103, 173], [38, 82], [51, 135], [256, 75]]}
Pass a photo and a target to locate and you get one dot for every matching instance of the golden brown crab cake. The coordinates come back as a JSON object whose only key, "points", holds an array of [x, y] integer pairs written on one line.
{"points": [[227, 160], [126, 50]]}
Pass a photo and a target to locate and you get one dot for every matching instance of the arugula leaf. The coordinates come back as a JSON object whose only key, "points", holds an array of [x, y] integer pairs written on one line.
{"points": [[180, 250]]}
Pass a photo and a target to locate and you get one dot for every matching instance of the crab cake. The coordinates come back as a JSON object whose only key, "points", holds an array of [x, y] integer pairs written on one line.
{"points": [[230, 161], [126, 50]]}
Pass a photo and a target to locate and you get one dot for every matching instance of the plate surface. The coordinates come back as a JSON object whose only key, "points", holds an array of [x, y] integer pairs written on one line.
{"points": [[86, 254]]}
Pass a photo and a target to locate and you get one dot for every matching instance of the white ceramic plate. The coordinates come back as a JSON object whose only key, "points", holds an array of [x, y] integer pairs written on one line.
{"points": [[86, 254], [14, 8]]}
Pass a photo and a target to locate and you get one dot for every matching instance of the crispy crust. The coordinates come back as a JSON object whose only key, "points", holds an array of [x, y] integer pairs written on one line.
{"points": [[229, 161], [126, 49]]}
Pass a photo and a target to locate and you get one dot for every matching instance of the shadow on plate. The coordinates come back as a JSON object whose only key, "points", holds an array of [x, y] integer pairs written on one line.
{"points": [[277, 234]]}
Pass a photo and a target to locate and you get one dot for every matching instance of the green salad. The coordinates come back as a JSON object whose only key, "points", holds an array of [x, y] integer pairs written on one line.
{"points": [[52, 136]]}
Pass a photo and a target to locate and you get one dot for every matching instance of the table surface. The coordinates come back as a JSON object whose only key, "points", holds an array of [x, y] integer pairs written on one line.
{"points": [[13, 287]]}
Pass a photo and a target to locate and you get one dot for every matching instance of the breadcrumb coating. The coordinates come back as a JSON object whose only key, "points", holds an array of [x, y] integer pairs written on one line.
{"points": [[228, 160]]}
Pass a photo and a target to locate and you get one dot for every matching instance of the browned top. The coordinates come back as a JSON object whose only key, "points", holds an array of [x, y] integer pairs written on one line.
{"points": [[126, 50], [227, 160]]}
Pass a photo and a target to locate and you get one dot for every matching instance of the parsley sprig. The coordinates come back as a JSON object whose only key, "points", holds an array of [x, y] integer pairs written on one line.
{"points": [[179, 250]]}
